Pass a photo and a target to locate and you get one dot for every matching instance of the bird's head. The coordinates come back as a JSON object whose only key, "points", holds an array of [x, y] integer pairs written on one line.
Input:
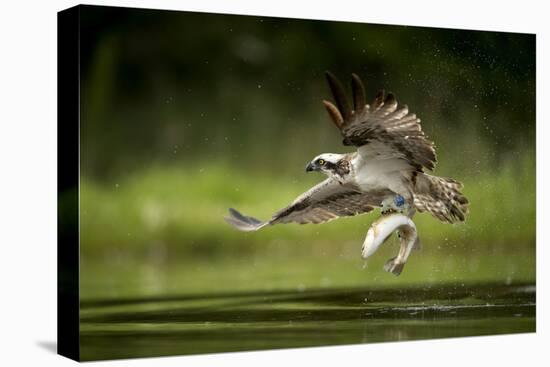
{"points": [[328, 163]]}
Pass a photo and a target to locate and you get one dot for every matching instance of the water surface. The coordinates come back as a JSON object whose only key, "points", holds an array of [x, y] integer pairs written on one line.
{"points": [[239, 321]]}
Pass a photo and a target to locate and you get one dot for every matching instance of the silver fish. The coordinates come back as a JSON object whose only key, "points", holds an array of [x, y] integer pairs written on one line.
{"points": [[381, 230]]}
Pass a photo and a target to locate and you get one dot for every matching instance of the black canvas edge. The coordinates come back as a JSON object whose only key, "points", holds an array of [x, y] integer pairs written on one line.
{"points": [[68, 146]]}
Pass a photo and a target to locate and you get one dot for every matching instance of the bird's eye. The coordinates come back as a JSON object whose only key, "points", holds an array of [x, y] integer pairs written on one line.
{"points": [[321, 161]]}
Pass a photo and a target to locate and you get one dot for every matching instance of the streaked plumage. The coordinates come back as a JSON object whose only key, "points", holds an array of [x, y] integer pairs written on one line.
{"points": [[325, 201], [392, 154]]}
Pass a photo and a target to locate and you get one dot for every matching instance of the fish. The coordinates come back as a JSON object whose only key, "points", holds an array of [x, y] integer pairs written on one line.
{"points": [[381, 229]]}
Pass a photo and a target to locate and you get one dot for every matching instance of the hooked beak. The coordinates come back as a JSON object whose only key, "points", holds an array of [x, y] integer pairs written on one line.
{"points": [[311, 167]]}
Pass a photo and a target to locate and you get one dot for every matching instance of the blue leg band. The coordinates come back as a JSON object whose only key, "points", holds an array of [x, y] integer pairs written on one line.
{"points": [[399, 200]]}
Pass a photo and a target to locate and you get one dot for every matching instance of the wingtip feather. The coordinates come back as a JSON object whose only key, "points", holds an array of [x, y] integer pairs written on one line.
{"points": [[335, 115], [358, 90], [242, 222], [339, 95]]}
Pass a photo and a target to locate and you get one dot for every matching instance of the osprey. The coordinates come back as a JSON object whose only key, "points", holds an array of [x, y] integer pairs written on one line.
{"points": [[388, 169]]}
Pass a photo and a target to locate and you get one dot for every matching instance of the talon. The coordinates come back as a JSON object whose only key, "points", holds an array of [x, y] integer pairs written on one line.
{"points": [[387, 210]]}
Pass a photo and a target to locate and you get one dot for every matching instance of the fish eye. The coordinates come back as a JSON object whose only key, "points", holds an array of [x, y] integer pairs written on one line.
{"points": [[321, 161]]}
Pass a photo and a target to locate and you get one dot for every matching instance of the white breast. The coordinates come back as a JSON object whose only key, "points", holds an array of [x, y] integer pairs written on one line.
{"points": [[381, 172]]}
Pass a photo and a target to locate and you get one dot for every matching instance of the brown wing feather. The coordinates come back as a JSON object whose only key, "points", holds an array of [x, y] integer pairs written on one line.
{"points": [[383, 121], [442, 197], [325, 201]]}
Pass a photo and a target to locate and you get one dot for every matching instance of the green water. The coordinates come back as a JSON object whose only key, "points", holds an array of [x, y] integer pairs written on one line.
{"points": [[139, 307], [238, 321]]}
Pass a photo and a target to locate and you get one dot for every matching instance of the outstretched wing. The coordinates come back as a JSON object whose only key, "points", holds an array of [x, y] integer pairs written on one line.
{"points": [[325, 201], [381, 128]]}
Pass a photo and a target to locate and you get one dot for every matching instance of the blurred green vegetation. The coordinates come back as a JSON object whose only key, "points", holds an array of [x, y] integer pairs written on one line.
{"points": [[181, 212], [162, 232], [180, 121]]}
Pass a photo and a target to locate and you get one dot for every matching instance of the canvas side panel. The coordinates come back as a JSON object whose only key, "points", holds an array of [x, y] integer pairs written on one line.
{"points": [[68, 182]]}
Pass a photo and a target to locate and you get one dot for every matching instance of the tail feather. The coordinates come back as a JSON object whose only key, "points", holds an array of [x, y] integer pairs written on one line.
{"points": [[441, 197]]}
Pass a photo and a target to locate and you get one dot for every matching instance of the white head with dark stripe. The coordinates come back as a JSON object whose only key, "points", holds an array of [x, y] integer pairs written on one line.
{"points": [[331, 164]]}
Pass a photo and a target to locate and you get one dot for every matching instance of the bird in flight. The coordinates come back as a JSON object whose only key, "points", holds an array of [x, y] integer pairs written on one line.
{"points": [[387, 171]]}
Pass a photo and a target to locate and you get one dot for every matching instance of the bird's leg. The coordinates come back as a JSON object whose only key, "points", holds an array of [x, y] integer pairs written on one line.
{"points": [[395, 204], [386, 207]]}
